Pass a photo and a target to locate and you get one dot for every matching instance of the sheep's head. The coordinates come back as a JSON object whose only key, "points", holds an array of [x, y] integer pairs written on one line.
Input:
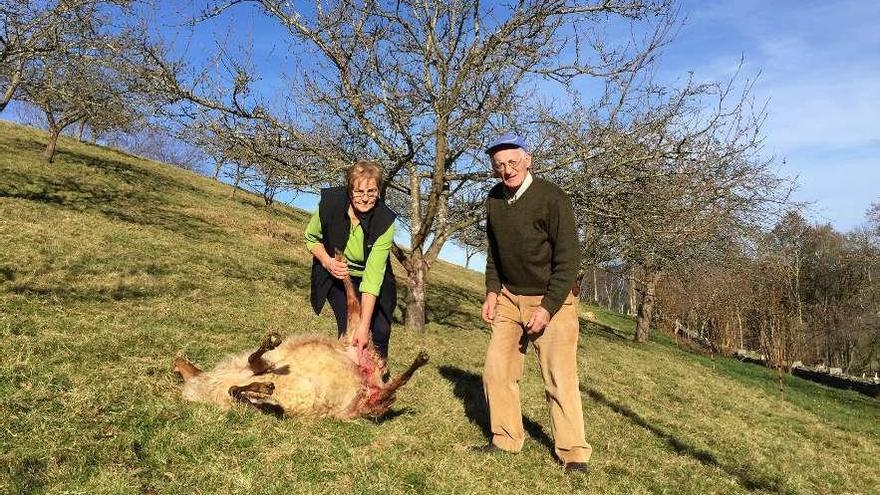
{"points": [[377, 397]]}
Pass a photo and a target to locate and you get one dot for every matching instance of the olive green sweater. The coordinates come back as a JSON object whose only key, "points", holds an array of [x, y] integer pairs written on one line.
{"points": [[533, 244]]}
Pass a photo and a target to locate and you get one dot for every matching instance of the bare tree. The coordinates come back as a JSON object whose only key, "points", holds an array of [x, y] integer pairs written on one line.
{"points": [[31, 31], [69, 89], [473, 240], [27, 30], [421, 85], [668, 176], [80, 78], [797, 292], [157, 143]]}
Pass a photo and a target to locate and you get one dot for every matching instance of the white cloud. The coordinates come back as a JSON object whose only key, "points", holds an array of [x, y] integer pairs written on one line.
{"points": [[827, 111], [820, 70]]}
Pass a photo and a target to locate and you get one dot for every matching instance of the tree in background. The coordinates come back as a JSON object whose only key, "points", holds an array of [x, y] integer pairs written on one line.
{"points": [[422, 86], [156, 143], [81, 78], [669, 176], [473, 240], [798, 292], [28, 30]]}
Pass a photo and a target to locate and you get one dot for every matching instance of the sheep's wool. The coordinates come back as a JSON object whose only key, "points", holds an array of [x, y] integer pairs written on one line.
{"points": [[313, 376]]}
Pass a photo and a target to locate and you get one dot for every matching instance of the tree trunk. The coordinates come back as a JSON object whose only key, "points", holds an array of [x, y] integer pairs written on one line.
{"points": [[646, 308], [82, 128], [10, 90], [49, 154], [467, 258], [416, 282], [237, 181], [739, 322], [631, 285], [595, 286], [270, 224], [608, 295]]}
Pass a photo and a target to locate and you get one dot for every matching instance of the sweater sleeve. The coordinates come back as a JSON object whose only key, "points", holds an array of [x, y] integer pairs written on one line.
{"points": [[564, 262], [374, 267], [313, 231], [493, 283]]}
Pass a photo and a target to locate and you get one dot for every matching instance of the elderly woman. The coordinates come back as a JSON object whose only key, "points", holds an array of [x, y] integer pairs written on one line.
{"points": [[355, 221]]}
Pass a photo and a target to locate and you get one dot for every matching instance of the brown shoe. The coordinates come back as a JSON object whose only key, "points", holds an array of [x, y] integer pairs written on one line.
{"points": [[577, 467]]}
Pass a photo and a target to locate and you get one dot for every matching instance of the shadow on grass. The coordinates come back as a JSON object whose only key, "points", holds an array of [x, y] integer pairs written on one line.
{"points": [[141, 205], [748, 480], [27, 475], [444, 307], [15, 146], [468, 387], [130, 173], [392, 415], [603, 331], [67, 293]]}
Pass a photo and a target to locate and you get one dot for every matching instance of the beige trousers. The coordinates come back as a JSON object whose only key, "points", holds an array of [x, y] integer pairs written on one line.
{"points": [[556, 349]]}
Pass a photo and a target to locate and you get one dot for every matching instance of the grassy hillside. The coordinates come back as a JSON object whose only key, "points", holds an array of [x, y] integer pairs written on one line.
{"points": [[110, 265]]}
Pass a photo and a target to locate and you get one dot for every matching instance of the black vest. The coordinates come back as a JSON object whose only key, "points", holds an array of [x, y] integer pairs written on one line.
{"points": [[335, 229]]}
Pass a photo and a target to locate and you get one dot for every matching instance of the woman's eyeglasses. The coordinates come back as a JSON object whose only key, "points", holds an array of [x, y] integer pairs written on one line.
{"points": [[368, 194]]}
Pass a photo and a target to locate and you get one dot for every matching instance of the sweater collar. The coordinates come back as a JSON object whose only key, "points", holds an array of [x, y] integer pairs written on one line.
{"points": [[520, 191]]}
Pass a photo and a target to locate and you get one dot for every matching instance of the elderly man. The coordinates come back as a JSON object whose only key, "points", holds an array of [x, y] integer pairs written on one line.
{"points": [[531, 266]]}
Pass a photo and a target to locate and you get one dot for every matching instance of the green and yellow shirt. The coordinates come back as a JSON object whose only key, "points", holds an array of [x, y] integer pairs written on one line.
{"points": [[373, 270]]}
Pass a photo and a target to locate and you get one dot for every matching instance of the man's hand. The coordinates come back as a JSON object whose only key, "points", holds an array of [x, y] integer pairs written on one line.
{"points": [[489, 307], [338, 269], [539, 320]]}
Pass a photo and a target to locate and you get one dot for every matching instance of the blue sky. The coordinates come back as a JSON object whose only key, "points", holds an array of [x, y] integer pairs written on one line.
{"points": [[819, 66]]}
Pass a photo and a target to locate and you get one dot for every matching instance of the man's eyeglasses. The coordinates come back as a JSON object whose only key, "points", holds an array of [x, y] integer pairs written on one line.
{"points": [[368, 194], [509, 164]]}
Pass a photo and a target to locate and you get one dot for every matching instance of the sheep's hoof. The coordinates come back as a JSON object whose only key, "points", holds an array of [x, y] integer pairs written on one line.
{"points": [[421, 359], [272, 341]]}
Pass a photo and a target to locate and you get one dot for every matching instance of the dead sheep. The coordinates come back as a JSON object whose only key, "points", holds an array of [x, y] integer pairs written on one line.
{"points": [[301, 376]]}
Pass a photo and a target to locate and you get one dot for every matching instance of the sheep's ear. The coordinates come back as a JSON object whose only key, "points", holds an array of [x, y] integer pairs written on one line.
{"points": [[185, 368]]}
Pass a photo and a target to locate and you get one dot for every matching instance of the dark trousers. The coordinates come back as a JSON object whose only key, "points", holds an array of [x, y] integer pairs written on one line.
{"points": [[380, 327]]}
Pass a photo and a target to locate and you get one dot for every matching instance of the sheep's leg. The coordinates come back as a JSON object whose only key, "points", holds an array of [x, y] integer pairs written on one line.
{"points": [[353, 304], [258, 396], [186, 369], [255, 361], [400, 380], [258, 390]]}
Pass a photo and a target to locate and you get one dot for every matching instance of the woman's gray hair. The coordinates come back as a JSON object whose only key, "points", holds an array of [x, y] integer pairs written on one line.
{"points": [[363, 169]]}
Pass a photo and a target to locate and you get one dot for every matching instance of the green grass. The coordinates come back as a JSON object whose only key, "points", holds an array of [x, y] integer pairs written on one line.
{"points": [[110, 265]]}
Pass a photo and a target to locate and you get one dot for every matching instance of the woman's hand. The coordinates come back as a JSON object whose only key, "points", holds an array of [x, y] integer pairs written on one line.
{"points": [[361, 336], [339, 269]]}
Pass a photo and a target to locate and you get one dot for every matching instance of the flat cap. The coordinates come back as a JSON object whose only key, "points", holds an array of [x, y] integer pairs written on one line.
{"points": [[506, 141]]}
